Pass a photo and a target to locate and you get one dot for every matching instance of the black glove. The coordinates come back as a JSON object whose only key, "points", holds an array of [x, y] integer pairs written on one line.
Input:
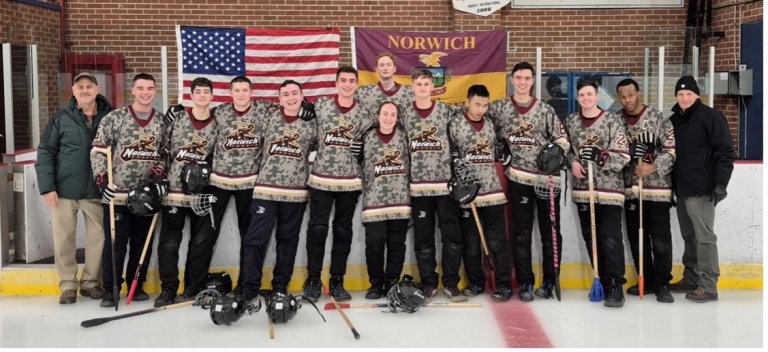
{"points": [[648, 138], [594, 154], [718, 194], [503, 154], [172, 114], [159, 180], [638, 150], [357, 149], [307, 111], [108, 193]]}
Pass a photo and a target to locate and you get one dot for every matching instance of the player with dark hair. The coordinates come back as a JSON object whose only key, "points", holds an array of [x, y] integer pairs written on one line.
{"points": [[526, 125], [652, 148], [426, 123], [334, 183], [136, 134], [191, 140], [599, 137], [280, 194], [472, 137], [386, 89]]}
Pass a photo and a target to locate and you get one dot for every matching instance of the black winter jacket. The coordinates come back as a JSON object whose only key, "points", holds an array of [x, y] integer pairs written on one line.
{"points": [[63, 156], [703, 148]]}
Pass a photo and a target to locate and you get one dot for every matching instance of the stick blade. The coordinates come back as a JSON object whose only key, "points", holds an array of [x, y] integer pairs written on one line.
{"points": [[132, 291], [93, 322], [596, 294], [557, 284], [642, 286]]}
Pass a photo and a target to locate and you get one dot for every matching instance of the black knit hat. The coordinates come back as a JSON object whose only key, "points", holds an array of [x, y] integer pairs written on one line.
{"points": [[687, 82]]}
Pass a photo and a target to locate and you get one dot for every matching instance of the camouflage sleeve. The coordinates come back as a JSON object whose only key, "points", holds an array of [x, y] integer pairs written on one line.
{"points": [[102, 142], [164, 152], [618, 149], [556, 131], [665, 158], [570, 153]]}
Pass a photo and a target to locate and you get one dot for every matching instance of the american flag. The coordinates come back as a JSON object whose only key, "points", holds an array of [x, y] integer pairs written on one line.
{"points": [[266, 56]]}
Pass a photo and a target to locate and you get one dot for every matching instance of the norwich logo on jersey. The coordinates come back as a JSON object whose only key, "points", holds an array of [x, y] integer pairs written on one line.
{"points": [[522, 135], [588, 139], [193, 151], [390, 164], [340, 135], [480, 153], [426, 139], [242, 138], [287, 144], [144, 149]]}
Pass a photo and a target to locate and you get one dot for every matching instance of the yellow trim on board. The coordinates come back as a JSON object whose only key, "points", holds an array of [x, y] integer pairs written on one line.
{"points": [[22, 280]]}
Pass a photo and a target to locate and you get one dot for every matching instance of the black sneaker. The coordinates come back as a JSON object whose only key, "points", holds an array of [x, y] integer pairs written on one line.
{"points": [[189, 294], [454, 294], [663, 294], [635, 290], [502, 294], [614, 297], [166, 297], [312, 289], [526, 292], [374, 292], [682, 287], [140, 295], [699, 296], [429, 293], [473, 290], [337, 290], [545, 290], [107, 301]]}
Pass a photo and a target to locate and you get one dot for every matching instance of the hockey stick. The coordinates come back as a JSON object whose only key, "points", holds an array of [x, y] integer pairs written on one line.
{"points": [[115, 279], [330, 306], [343, 315], [596, 294], [135, 282], [271, 329], [485, 245], [99, 321], [552, 218], [640, 277]]}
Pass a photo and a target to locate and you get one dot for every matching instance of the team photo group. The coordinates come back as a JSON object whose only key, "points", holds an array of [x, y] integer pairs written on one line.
{"points": [[410, 161]]}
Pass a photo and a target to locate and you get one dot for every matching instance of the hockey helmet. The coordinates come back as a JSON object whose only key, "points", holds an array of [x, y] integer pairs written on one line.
{"points": [[220, 282], [282, 307], [551, 159], [228, 309], [406, 296], [195, 176], [144, 200], [463, 184]]}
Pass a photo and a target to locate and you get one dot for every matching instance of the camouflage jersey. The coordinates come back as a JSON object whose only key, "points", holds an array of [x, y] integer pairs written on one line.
{"points": [[526, 130], [137, 145], [284, 158], [475, 142], [430, 151], [190, 140], [607, 132], [657, 186], [335, 169], [372, 95], [385, 177], [238, 146]]}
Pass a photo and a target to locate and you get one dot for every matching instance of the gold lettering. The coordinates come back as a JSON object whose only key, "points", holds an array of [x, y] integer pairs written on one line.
{"points": [[453, 44], [419, 43], [406, 43], [469, 43], [434, 43], [393, 41]]}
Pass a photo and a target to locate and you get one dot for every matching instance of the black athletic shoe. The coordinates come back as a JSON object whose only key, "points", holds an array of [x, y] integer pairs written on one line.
{"points": [[388, 285], [374, 292], [189, 294], [615, 296], [166, 297], [312, 289], [682, 287], [699, 296], [663, 294], [337, 290], [429, 293], [454, 294], [635, 290], [545, 291], [502, 294], [107, 301], [473, 290], [140, 295], [526, 292]]}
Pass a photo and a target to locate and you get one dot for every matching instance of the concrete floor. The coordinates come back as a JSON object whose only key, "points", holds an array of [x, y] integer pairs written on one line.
{"points": [[734, 321]]}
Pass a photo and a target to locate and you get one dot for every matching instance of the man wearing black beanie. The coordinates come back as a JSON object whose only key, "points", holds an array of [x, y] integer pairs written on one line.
{"points": [[703, 167]]}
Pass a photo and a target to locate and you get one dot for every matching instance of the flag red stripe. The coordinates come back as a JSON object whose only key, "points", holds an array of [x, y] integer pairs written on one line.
{"points": [[304, 86], [290, 59], [288, 32], [292, 46], [291, 73]]}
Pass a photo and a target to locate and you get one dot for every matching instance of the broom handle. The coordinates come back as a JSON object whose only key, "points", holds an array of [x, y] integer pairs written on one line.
{"points": [[590, 179]]}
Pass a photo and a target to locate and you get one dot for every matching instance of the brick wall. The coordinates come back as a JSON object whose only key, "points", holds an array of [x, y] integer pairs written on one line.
{"points": [[578, 40], [22, 24]]}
